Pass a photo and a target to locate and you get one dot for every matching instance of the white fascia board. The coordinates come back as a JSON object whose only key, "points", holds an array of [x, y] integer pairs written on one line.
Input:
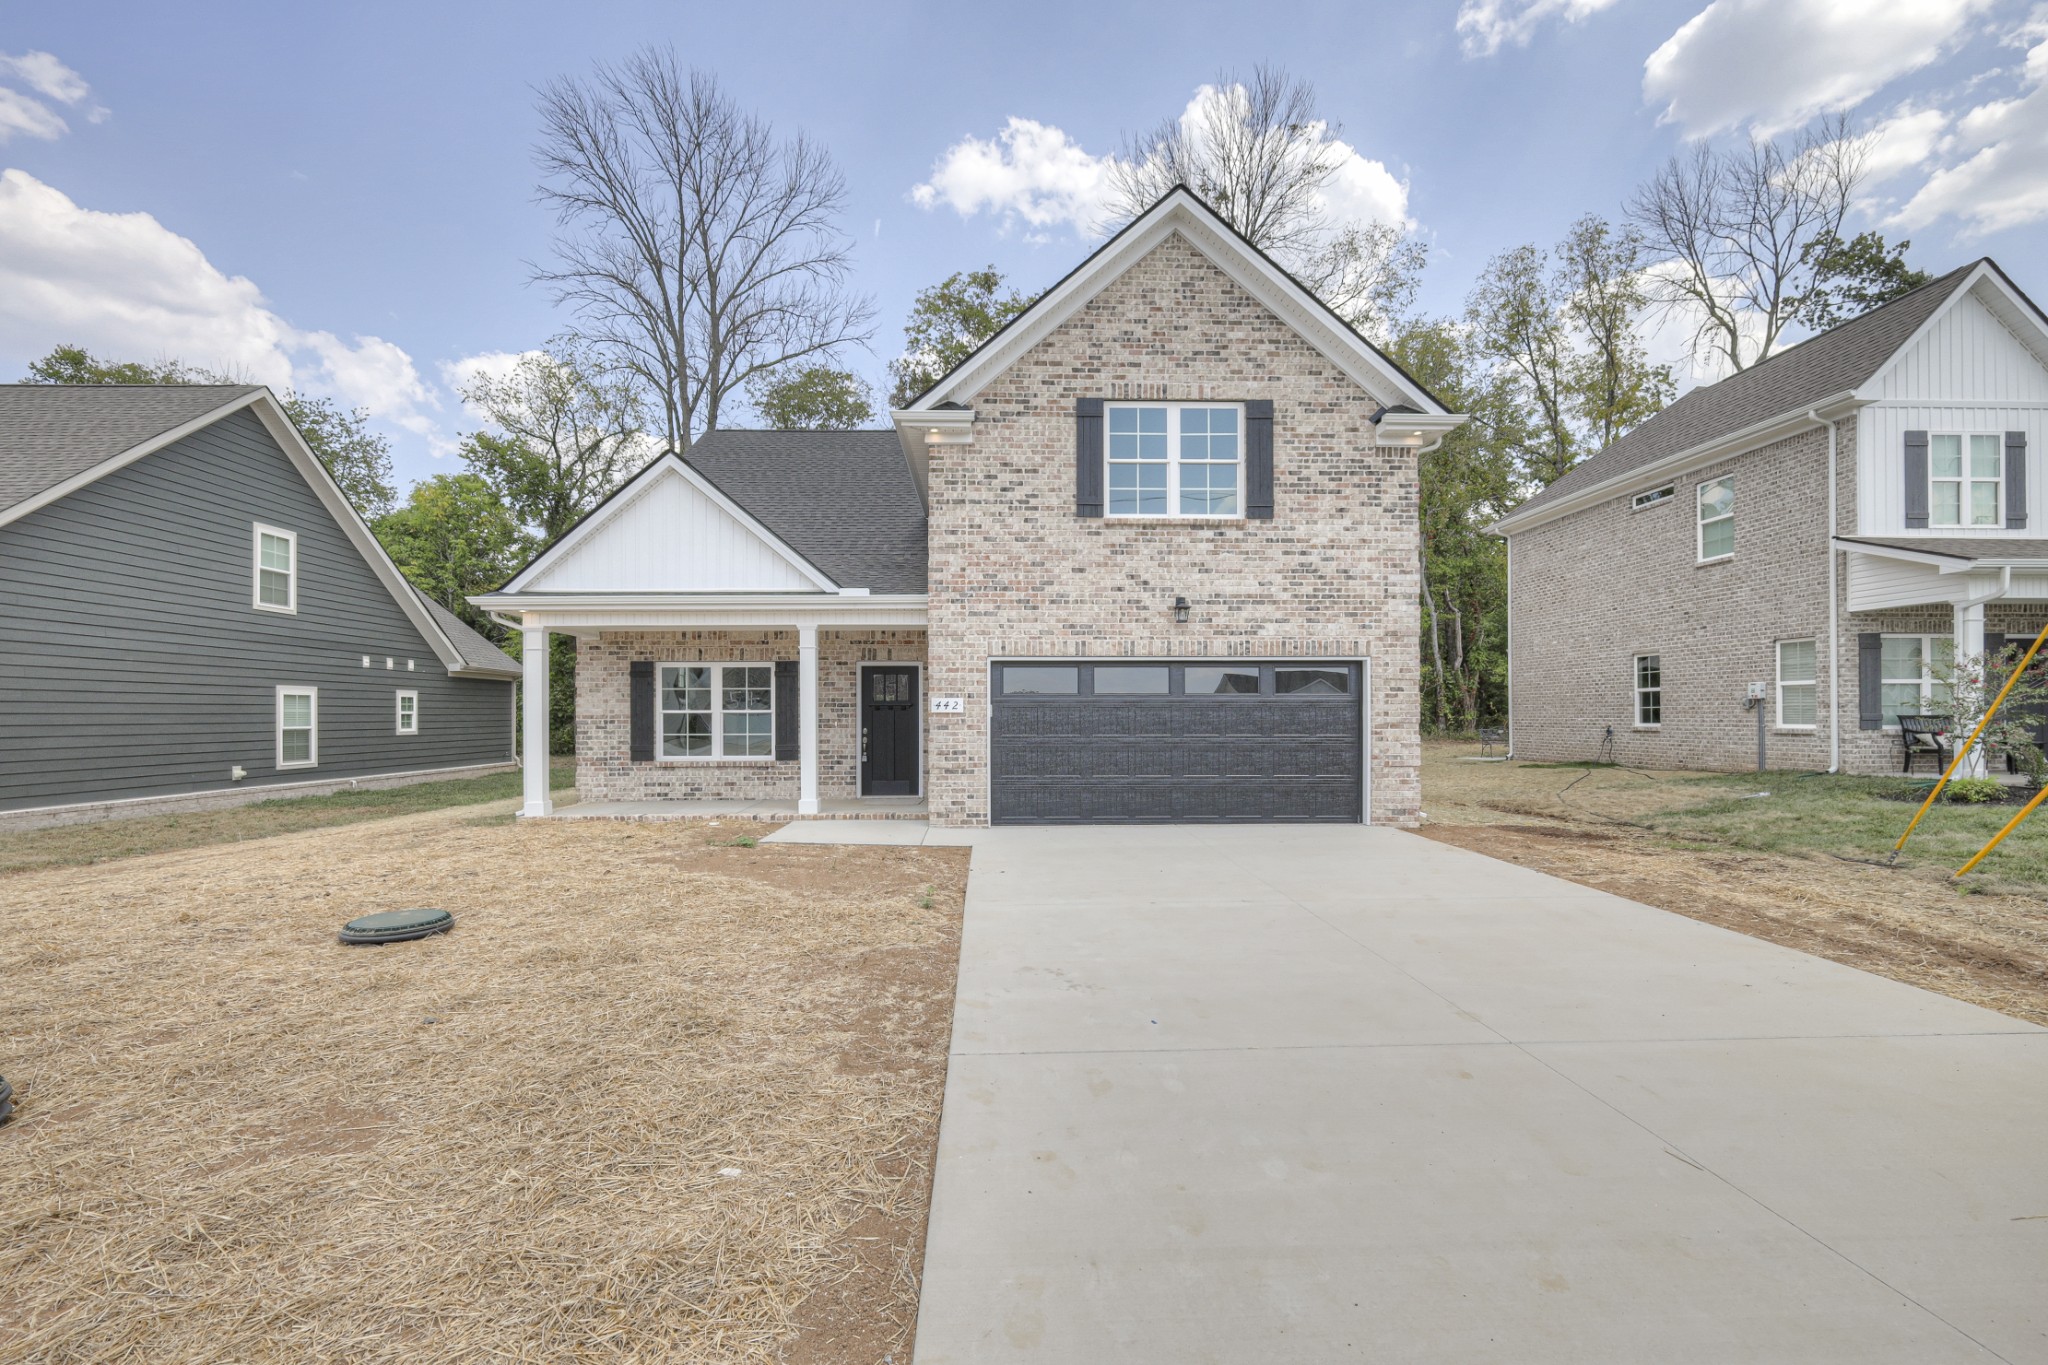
{"points": [[282, 430], [1943, 563], [847, 603], [1720, 448], [1180, 212], [669, 463], [60, 491], [577, 613]]}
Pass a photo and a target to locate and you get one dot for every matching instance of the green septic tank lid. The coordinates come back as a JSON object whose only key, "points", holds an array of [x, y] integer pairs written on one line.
{"points": [[394, 926]]}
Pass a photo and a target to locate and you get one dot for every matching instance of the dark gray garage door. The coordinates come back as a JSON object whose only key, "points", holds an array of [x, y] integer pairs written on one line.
{"points": [[1160, 742]]}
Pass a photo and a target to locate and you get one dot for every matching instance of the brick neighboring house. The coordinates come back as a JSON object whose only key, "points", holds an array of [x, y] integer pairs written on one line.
{"points": [[1149, 554], [1831, 523]]}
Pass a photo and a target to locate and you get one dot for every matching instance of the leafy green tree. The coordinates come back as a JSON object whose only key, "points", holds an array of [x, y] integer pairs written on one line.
{"points": [[452, 538], [1852, 277], [358, 458], [568, 431], [813, 398], [947, 321]]}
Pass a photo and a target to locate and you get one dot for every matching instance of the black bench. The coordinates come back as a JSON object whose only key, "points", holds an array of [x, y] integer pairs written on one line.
{"points": [[1491, 737], [1926, 736]]}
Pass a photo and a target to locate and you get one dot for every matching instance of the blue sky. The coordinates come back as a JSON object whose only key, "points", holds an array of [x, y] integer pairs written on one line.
{"points": [[341, 197]]}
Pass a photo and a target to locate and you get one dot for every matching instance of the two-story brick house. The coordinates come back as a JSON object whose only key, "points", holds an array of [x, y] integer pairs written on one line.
{"points": [[1836, 523], [1149, 554]]}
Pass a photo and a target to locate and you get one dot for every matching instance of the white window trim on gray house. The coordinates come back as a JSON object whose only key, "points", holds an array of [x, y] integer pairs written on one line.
{"points": [[1649, 695], [1966, 481], [1788, 687], [311, 727], [408, 716], [1719, 519], [1124, 451], [259, 570], [716, 711]]}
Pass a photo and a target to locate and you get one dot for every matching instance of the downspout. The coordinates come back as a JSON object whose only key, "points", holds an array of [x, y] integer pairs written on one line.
{"points": [[1834, 606]]}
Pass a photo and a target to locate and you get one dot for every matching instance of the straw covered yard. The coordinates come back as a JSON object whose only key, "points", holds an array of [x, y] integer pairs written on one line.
{"points": [[659, 1095]]}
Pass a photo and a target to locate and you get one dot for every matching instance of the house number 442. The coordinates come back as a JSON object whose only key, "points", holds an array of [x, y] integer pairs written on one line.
{"points": [[947, 706]]}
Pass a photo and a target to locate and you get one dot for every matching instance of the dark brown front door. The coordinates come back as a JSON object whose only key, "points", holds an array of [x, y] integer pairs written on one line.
{"points": [[888, 731]]}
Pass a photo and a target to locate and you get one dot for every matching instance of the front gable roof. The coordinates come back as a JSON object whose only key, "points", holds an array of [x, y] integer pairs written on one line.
{"points": [[1181, 212], [58, 438], [669, 529]]}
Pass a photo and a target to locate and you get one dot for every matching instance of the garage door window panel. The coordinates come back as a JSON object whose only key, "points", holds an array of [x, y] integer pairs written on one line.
{"points": [[1227, 682], [1019, 681]]}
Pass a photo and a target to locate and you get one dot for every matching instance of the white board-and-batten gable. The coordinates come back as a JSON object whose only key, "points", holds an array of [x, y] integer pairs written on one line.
{"points": [[1985, 346], [670, 530]]}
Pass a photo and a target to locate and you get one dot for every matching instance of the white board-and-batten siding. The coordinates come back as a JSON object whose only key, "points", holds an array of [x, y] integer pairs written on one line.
{"points": [[670, 537], [1967, 373]]}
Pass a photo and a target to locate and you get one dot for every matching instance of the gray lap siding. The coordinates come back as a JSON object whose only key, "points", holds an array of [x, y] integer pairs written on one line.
{"points": [[136, 664]]}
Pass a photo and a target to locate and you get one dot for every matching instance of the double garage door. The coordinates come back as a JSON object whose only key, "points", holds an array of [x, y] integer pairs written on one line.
{"points": [[1170, 741]]}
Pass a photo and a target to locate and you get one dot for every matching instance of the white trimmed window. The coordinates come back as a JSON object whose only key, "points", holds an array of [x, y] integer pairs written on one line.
{"points": [[1965, 479], [1717, 518], [408, 712], [1175, 460], [298, 727], [1915, 675], [277, 569], [717, 711], [1649, 691], [1798, 695], [1653, 497]]}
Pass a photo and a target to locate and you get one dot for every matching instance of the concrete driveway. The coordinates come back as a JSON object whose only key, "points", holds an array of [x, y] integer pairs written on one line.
{"points": [[1332, 1094]]}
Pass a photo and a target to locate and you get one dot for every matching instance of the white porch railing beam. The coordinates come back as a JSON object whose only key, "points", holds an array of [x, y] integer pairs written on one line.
{"points": [[533, 693]]}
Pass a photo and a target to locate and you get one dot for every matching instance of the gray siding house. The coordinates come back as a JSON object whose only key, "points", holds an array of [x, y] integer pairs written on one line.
{"points": [[194, 613]]}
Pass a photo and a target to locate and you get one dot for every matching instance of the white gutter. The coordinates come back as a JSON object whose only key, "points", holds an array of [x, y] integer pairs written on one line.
{"points": [[1834, 607], [686, 601]]}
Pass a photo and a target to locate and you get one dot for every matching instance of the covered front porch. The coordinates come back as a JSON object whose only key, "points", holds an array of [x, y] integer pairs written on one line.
{"points": [[765, 706]]}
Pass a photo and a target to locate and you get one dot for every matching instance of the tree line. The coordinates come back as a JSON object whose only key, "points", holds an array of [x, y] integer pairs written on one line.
{"points": [[700, 262]]}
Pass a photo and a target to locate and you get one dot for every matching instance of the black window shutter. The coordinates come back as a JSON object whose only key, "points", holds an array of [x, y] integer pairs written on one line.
{"points": [[1258, 459], [789, 735], [1870, 677], [2015, 481], [1916, 480], [1088, 471], [640, 711]]}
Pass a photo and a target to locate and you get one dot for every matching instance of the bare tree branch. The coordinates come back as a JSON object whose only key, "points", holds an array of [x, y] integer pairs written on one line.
{"points": [[694, 247]]}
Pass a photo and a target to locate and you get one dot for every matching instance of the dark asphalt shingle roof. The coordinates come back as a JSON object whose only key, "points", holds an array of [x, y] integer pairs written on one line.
{"points": [[844, 500], [51, 432], [1790, 381], [1959, 547], [476, 651]]}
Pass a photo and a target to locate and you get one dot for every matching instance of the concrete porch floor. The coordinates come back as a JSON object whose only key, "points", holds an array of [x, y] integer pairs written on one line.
{"points": [[843, 808]]}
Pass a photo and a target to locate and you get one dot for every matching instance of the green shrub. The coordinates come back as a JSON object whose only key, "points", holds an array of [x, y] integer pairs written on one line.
{"points": [[1974, 791]]}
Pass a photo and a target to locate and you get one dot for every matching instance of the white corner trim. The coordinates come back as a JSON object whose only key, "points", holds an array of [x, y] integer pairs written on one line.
{"points": [[1181, 213], [636, 487]]}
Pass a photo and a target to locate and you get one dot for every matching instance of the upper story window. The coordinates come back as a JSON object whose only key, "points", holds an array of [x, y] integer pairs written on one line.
{"points": [[1175, 459], [1717, 518], [1652, 497], [277, 569], [717, 711], [1965, 479]]}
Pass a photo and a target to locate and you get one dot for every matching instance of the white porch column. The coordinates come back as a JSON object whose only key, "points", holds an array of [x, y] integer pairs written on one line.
{"points": [[533, 648], [807, 709], [1970, 645]]}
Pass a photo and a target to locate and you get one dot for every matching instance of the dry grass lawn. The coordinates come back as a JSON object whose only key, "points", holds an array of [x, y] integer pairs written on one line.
{"points": [[1778, 867], [657, 1097]]}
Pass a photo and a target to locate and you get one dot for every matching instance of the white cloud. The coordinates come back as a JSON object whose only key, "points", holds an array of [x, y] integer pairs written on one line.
{"points": [[125, 286], [1774, 64], [1903, 141], [1030, 171], [45, 75], [1996, 156], [1485, 26], [48, 77], [1034, 173], [458, 375]]}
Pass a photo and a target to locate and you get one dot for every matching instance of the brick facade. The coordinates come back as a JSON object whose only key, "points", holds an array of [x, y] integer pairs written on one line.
{"points": [[1015, 573], [1593, 589], [604, 771]]}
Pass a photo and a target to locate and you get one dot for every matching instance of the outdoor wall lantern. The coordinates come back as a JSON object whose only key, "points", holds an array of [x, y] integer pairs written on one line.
{"points": [[1180, 611]]}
